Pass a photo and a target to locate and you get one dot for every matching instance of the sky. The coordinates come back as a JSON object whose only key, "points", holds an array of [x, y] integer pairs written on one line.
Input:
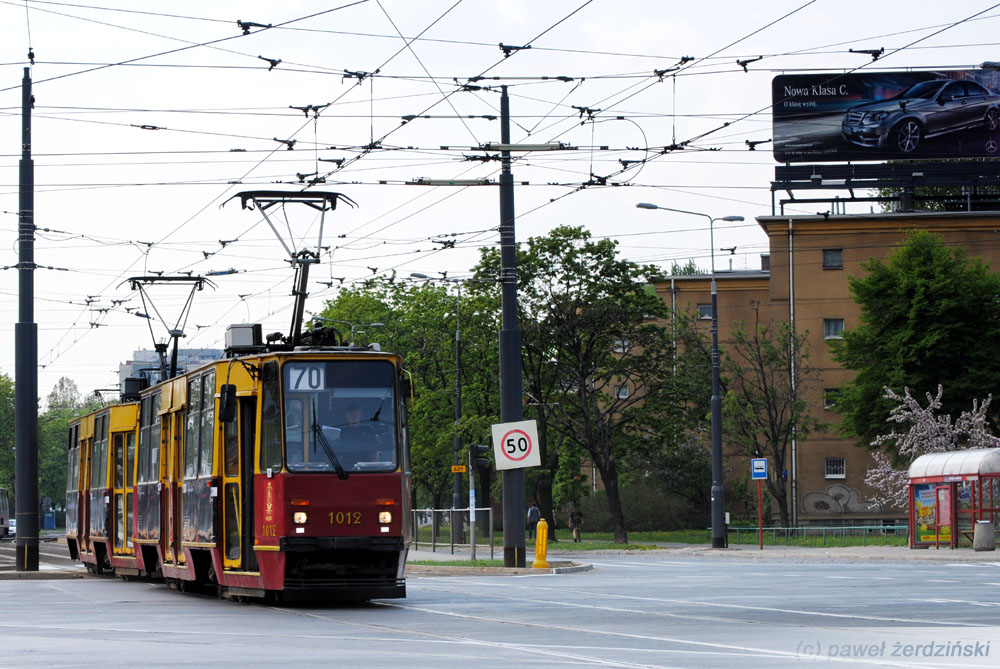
{"points": [[149, 117]]}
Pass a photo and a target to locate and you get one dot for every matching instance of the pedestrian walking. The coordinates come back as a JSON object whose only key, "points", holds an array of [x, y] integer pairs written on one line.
{"points": [[575, 520], [534, 515]]}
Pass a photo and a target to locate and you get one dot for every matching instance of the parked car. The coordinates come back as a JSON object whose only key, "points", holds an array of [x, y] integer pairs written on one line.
{"points": [[12, 527], [927, 109]]}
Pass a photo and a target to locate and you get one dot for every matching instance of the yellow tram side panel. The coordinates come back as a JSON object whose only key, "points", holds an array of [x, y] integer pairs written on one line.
{"points": [[124, 417], [237, 375], [87, 426]]}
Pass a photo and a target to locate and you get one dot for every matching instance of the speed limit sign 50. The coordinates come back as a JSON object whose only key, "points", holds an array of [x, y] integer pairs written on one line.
{"points": [[515, 445]]}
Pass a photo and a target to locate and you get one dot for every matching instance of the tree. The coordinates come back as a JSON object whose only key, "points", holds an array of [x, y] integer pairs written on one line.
{"points": [[924, 432], [687, 269], [419, 323], [63, 404], [941, 195], [767, 375], [6, 432], [591, 340], [929, 317]]}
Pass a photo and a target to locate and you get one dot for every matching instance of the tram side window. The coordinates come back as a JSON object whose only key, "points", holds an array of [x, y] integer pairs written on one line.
{"points": [[207, 422], [99, 462], [73, 461], [154, 437], [149, 439], [200, 421], [142, 475], [270, 423], [129, 458], [119, 443], [192, 431]]}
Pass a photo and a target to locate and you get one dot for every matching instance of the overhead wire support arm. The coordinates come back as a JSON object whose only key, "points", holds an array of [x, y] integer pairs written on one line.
{"points": [[315, 109], [509, 49], [273, 61], [359, 75], [874, 53], [245, 26]]}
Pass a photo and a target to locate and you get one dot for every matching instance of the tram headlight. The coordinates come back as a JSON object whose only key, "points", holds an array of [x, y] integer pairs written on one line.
{"points": [[299, 517], [385, 517]]}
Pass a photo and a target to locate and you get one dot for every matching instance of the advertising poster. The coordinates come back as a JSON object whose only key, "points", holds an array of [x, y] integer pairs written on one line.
{"points": [[886, 115], [925, 501]]}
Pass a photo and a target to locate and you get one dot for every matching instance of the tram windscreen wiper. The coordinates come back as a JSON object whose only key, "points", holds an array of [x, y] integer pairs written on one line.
{"points": [[321, 439]]}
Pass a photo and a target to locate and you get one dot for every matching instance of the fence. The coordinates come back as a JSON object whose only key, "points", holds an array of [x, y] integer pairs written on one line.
{"points": [[833, 532], [430, 524]]}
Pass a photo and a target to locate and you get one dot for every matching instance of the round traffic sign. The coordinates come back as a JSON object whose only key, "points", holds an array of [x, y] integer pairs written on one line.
{"points": [[516, 445]]}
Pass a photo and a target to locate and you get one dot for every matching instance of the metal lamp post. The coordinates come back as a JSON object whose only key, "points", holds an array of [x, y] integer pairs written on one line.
{"points": [[718, 505]]}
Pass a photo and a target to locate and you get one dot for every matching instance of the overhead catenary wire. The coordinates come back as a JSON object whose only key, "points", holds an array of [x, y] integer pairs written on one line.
{"points": [[533, 161]]}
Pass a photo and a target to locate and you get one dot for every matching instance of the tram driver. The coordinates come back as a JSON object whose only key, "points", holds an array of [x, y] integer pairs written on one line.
{"points": [[362, 437]]}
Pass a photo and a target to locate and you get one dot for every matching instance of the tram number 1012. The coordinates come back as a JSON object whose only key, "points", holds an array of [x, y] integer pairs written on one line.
{"points": [[345, 517]]}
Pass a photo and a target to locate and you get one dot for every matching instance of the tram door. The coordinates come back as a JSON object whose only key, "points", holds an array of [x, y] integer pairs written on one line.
{"points": [[174, 486], [237, 488], [123, 447], [86, 459]]}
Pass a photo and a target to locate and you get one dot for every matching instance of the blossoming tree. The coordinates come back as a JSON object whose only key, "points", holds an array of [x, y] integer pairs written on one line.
{"points": [[921, 431]]}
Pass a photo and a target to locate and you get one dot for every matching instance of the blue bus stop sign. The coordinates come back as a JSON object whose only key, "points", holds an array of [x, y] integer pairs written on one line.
{"points": [[758, 468]]}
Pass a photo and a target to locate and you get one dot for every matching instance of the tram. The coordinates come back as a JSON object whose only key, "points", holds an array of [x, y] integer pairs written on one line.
{"points": [[280, 471]]}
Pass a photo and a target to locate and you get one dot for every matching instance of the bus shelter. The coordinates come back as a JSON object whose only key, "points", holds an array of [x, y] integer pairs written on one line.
{"points": [[949, 492]]}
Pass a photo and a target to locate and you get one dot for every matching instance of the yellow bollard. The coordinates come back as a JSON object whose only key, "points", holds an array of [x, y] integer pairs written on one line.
{"points": [[541, 545]]}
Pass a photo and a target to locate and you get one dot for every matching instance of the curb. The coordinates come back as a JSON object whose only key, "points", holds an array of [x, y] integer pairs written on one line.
{"points": [[60, 575]]}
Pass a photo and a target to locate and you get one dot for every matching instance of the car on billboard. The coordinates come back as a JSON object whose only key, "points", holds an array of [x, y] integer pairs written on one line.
{"points": [[927, 109]]}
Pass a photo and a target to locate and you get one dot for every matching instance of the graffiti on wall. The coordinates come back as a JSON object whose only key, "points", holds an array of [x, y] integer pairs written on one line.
{"points": [[836, 499]]}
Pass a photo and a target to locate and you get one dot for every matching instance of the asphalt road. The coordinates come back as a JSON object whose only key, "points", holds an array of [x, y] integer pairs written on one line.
{"points": [[655, 609]]}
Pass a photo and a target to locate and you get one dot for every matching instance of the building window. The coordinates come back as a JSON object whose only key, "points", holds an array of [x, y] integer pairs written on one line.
{"points": [[621, 392], [835, 468], [833, 258], [830, 397], [833, 328], [621, 346], [704, 312]]}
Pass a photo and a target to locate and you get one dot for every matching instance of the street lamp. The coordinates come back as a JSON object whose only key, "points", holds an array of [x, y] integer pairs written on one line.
{"points": [[718, 524], [456, 498]]}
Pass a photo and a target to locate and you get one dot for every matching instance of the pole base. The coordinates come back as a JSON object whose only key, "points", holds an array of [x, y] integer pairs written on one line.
{"points": [[513, 556], [26, 558]]}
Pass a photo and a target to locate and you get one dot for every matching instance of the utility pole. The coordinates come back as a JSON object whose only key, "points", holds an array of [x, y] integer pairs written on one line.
{"points": [[456, 497], [26, 354], [510, 350]]}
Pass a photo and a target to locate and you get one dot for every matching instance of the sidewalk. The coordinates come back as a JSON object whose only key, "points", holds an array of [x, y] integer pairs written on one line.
{"points": [[741, 551], [850, 553]]}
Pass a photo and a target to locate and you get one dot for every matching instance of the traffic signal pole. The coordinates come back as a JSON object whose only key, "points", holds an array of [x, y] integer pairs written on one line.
{"points": [[26, 354], [510, 350]]}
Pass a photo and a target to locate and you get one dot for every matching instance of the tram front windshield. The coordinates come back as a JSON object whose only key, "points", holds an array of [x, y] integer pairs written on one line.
{"points": [[340, 416]]}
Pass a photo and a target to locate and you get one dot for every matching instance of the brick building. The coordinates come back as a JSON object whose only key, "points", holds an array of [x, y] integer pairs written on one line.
{"points": [[804, 280]]}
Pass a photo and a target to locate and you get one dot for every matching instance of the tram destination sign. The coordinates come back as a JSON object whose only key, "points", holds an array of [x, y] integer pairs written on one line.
{"points": [[929, 114]]}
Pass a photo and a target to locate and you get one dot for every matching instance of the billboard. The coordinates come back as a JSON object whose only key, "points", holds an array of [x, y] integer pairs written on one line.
{"points": [[930, 114]]}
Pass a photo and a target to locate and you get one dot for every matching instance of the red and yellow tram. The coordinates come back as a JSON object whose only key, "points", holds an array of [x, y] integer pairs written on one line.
{"points": [[270, 473]]}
